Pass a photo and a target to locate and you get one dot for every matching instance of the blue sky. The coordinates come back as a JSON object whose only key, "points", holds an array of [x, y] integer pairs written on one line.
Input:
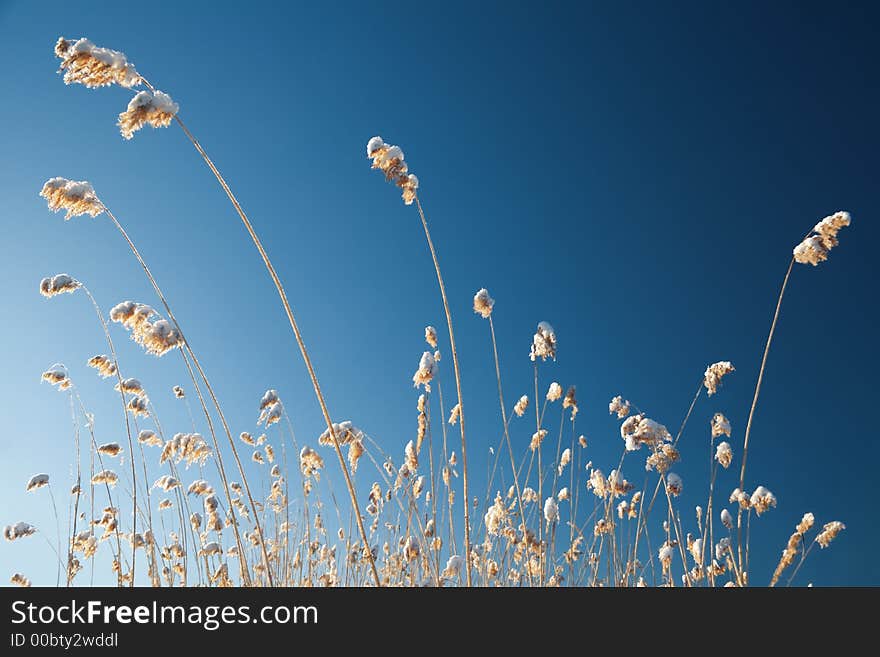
{"points": [[635, 174]]}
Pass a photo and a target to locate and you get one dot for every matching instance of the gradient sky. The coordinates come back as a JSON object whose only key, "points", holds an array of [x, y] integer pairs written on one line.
{"points": [[635, 173]]}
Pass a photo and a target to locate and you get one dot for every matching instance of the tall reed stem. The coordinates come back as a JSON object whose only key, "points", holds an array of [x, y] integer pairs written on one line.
{"points": [[299, 340], [519, 504], [464, 467], [127, 428], [189, 349], [742, 473]]}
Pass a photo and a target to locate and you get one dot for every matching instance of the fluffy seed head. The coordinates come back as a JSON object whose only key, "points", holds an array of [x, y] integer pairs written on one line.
{"points": [[18, 530], [720, 426], [762, 499], [57, 376], [724, 454], [85, 63], [544, 342], [483, 303], [431, 336], [554, 392], [37, 481], [106, 367], [674, 484], [714, 373], [74, 197], [156, 336], [551, 510], [829, 533], [425, 374], [521, 406], [619, 406], [815, 247], [110, 449], [20, 580], [310, 462], [155, 109], [389, 159], [58, 284], [726, 519]]}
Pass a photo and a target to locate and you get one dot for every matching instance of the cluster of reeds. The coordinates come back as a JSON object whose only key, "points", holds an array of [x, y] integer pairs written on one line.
{"points": [[548, 516]]}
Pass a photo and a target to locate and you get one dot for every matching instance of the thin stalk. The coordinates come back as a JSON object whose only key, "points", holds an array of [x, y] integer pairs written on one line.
{"points": [[742, 473], [299, 340], [127, 426], [171, 316], [464, 467], [519, 504]]}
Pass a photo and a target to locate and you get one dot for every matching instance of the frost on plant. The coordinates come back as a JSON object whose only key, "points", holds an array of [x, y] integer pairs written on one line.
{"points": [[815, 247], [87, 64]]}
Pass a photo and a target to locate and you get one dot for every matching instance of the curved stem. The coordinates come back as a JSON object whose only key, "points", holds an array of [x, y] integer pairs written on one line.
{"points": [[519, 504], [127, 428], [742, 474], [299, 340], [464, 467], [189, 349]]}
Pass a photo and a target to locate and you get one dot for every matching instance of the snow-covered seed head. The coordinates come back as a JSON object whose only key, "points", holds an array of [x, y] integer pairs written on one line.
{"points": [[724, 454], [714, 373], [390, 160], [521, 406], [57, 376], [37, 481], [74, 197], [149, 438], [166, 483], [638, 430], [453, 567], [18, 530], [564, 460], [720, 426], [806, 523], [20, 580], [740, 497], [619, 406], [58, 284], [155, 109], [178, 392], [425, 374], [762, 499], [544, 342], [156, 336], [554, 392], [106, 367], [85, 63], [570, 401], [483, 303], [726, 519], [829, 533], [310, 462], [665, 554], [200, 487], [271, 409], [815, 247], [431, 336], [110, 449], [537, 439], [454, 414], [674, 484], [131, 387], [551, 510]]}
